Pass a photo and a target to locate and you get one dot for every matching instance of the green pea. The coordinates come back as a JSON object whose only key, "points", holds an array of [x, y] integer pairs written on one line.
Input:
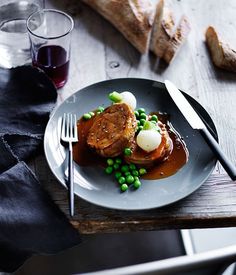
{"points": [[124, 187], [91, 114], [100, 109], [135, 173], [154, 118], [121, 180], [142, 121], [129, 179], [109, 170], [137, 184], [141, 110], [127, 173], [98, 113], [136, 114], [86, 116], [118, 175], [115, 97], [127, 151], [116, 166], [132, 166], [118, 160], [142, 171], [136, 178], [143, 116], [110, 162], [138, 123], [124, 168]]}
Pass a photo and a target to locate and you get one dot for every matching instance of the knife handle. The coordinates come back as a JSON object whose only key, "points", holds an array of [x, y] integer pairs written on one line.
{"points": [[223, 159]]}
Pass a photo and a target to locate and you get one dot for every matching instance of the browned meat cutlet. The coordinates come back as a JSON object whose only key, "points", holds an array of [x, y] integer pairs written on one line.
{"points": [[112, 130], [149, 159]]}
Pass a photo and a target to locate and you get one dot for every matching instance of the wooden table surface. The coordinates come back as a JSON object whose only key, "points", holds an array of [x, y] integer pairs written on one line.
{"points": [[100, 52]]}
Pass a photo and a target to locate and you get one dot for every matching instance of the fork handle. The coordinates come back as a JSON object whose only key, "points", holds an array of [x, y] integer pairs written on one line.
{"points": [[71, 180]]}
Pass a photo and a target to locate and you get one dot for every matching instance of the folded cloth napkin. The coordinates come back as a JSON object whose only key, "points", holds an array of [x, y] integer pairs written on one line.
{"points": [[30, 222]]}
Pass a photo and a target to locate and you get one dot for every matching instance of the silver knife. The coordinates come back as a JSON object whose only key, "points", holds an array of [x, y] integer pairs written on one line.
{"points": [[196, 123]]}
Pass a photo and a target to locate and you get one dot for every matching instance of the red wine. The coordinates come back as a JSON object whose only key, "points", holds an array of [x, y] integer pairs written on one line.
{"points": [[53, 61]]}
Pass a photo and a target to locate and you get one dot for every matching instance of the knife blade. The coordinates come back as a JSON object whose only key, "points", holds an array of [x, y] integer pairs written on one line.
{"points": [[196, 123], [187, 110]]}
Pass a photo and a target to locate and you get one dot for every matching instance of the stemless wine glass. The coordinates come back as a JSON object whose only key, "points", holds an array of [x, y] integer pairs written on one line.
{"points": [[50, 36], [14, 40]]}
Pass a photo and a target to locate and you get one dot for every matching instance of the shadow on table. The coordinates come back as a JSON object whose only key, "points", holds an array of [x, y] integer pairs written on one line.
{"points": [[103, 251]]}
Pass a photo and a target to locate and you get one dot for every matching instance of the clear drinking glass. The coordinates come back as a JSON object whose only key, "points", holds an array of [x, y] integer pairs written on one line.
{"points": [[50, 36], [14, 40]]}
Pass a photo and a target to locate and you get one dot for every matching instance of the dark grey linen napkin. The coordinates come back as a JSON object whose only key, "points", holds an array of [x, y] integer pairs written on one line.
{"points": [[30, 222]]}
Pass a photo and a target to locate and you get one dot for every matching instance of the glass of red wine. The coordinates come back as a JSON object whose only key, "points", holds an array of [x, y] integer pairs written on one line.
{"points": [[50, 36]]}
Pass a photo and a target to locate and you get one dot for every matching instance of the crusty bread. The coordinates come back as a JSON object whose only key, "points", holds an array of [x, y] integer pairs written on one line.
{"points": [[222, 55], [133, 18], [177, 39], [162, 29]]}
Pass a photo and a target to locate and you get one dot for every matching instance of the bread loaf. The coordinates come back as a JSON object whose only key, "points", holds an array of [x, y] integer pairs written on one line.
{"points": [[223, 56], [133, 18], [177, 39], [162, 29]]}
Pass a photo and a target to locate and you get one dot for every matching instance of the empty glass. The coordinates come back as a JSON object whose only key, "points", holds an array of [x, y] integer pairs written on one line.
{"points": [[14, 40], [50, 36]]}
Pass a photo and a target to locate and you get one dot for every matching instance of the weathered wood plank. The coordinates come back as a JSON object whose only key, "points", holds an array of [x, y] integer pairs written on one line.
{"points": [[216, 88], [100, 52]]}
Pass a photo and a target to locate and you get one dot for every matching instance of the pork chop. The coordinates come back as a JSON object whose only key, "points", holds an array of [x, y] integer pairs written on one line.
{"points": [[149, 159], [112, 130]]}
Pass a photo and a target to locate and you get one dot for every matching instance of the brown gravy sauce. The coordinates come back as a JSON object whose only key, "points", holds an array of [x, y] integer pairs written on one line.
{"points": [[177, 158]]}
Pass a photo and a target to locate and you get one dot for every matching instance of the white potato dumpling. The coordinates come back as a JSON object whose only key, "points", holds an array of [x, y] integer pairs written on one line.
{"points": [[148, 140], [129, 99]]}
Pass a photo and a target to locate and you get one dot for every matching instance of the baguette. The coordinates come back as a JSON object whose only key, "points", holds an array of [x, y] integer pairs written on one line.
{"points": [[133, 18], [162, 29], [177, 39], [223, 56]]}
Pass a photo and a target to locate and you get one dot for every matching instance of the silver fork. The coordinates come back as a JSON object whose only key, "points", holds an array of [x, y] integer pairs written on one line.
{"points": [[69, 135]]}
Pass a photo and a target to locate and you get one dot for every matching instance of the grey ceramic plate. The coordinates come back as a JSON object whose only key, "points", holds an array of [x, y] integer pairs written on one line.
{"points": [[93, 185]]}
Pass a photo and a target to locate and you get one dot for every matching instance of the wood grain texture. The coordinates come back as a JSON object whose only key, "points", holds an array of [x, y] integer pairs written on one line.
{"points": [[100, 52]]}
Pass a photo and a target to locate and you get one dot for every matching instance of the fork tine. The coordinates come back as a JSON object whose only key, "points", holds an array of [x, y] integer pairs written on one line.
{"points": [[63, 128], [71, 126], [75, 128], [67, 125]]}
